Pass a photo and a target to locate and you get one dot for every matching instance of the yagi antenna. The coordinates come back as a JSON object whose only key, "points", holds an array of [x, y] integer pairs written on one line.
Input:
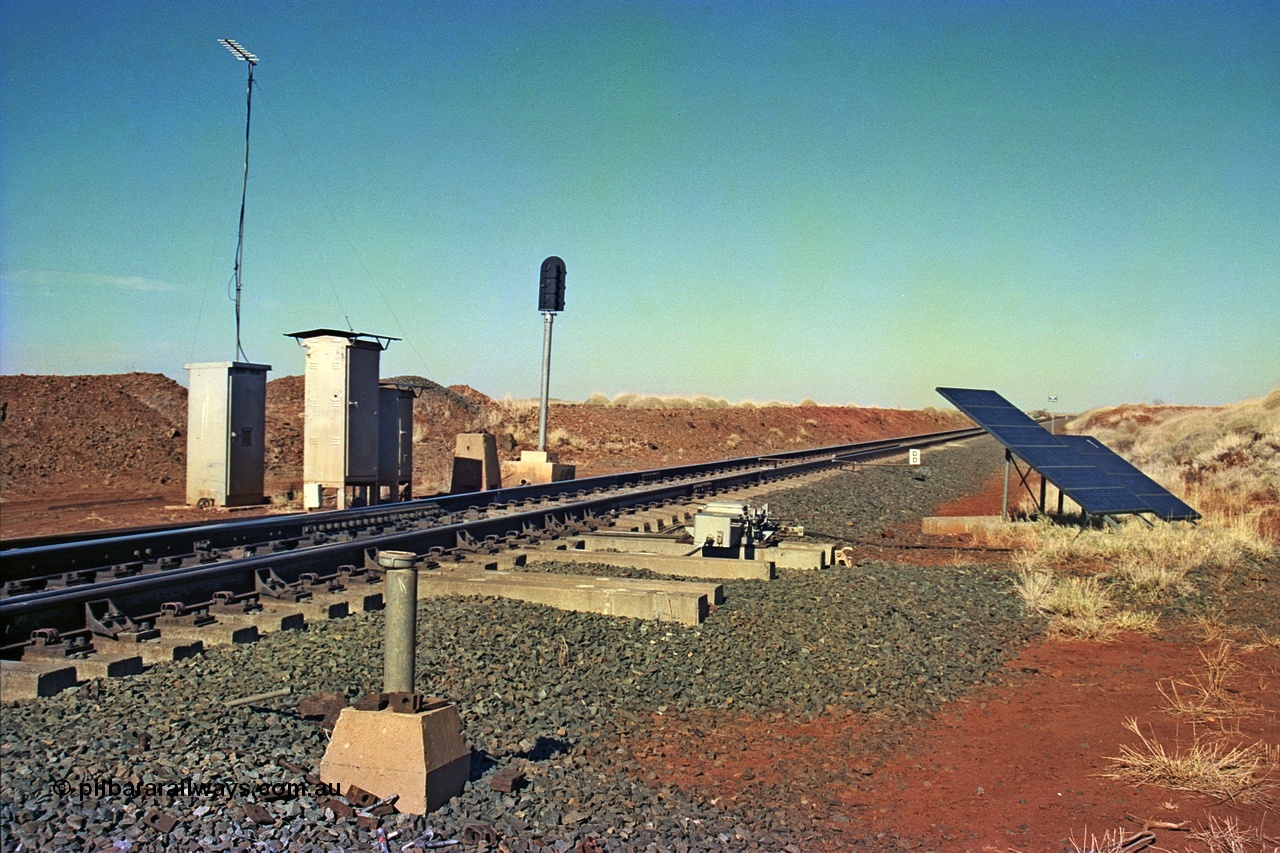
{"points": [[244, 56]]}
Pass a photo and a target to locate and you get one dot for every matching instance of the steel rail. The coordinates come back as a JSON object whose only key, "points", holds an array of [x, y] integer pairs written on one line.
{"points": [[22, 562], [63, 608]]}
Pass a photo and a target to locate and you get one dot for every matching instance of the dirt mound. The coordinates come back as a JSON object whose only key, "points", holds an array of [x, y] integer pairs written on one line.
{"points": [[1130, 415], [63, 433], [602, 440], [480, 398], [115, 438], [286, 407]]}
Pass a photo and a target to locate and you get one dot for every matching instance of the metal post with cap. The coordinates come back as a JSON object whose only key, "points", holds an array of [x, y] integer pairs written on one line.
{"points": [[400, 645]]}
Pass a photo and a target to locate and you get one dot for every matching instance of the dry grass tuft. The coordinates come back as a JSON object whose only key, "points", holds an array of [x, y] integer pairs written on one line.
{"points": [[1077, 606], [1034, 588], [1112, 841], [1265, 640], [1208, 767], [1226, 836], [1209, 698]]}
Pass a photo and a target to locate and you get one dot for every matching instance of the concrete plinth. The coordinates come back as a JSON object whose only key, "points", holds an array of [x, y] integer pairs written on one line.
{"points": [[475, 463], [21, 679], [797, 555], [535, 466], [421, 757]]}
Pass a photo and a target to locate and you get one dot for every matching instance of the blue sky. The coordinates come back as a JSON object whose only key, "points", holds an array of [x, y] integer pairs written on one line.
{"points": [[846, 201]]}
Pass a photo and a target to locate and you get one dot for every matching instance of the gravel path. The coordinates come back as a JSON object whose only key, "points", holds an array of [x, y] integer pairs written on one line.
{"points": [[558, 691]]}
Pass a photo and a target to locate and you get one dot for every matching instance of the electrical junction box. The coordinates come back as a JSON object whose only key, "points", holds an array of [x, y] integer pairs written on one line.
{"points": [[719, 524]]}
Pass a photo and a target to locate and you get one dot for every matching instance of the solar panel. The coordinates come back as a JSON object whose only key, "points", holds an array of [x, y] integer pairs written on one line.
{"points": [[1096, 489], [1165, 505]]}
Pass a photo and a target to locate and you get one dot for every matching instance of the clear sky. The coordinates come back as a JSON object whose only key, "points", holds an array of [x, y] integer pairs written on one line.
{"points": [[847, 201]]}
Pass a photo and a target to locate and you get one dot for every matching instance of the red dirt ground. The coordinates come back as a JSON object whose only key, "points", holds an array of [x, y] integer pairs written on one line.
{"points": [[1014, 767], [1017, 766]]}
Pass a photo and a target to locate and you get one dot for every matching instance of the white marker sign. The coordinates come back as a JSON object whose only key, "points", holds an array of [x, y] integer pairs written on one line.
{"points": [[913, 456]]}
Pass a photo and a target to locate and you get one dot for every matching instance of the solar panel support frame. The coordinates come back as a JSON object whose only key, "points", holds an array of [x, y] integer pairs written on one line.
{"points": [[1010, 462], [1094, 485]]}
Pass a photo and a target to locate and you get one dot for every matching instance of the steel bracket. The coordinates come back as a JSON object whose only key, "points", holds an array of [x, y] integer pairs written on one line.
{"points": [[225, 603], [267, 582], [106, 620]]}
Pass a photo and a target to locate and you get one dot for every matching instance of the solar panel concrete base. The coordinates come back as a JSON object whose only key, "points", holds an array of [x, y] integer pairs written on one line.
{"points": [[957, 525]]}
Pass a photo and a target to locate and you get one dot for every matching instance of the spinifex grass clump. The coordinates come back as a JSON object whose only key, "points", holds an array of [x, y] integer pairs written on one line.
{"points": [[1077, 606], [1227, 836], [1208, 767], [1208, 697]]}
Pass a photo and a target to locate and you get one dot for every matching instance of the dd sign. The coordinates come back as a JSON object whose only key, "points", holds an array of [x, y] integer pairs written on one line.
{"points": [[551, 285]]}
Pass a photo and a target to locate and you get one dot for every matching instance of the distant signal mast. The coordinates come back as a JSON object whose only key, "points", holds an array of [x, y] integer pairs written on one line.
{"points": [[244, 56]]}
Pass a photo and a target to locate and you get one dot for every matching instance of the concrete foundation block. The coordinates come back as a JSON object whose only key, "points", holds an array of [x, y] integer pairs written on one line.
{"points": [[475, 463], [422, 757], [20, 679], [535, 466]]}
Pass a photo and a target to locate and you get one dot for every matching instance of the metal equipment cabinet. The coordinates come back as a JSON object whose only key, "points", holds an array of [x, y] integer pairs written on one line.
{"points": [[340, 450], [226, 428]]}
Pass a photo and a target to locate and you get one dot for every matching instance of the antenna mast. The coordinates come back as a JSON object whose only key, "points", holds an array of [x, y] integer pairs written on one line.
{"points": [[244, 56]]}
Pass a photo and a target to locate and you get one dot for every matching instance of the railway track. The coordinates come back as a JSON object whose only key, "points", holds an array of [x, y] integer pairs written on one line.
{"points": [[67, 584]]}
